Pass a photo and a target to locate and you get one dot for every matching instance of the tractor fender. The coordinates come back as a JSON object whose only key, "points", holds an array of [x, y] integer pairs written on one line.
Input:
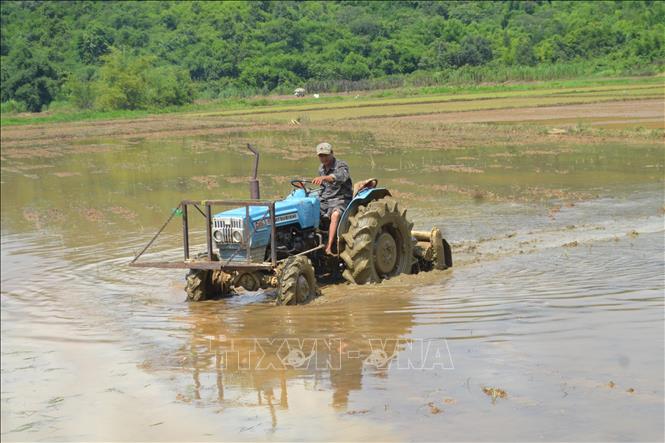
{"points": [[361, 198]]}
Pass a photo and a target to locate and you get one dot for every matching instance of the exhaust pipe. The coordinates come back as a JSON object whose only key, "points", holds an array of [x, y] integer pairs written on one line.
{"points": [[254, 192]]}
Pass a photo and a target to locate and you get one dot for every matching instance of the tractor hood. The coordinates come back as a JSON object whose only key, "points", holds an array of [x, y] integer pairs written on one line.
{"points": [[297, 208]]}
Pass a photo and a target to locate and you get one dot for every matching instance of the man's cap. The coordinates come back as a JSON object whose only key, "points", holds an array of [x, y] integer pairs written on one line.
{"points": [[323, 148]]}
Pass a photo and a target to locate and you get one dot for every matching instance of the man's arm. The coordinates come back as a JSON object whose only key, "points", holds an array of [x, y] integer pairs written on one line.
{"points": [[323, 178], [341, 173]]}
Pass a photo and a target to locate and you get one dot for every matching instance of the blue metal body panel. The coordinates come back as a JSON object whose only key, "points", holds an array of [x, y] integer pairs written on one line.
{"points": [[296, 208]]}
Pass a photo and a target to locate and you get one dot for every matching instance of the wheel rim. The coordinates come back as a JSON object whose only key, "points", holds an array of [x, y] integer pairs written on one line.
{"points": [[385, 253], [302, 288]]}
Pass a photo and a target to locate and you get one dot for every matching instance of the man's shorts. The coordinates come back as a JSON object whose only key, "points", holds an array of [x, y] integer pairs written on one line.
{"points": [[328, 207]]}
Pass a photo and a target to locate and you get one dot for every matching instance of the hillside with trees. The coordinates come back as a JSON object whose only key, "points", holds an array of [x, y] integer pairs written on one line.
{"points": [[142, 55]]}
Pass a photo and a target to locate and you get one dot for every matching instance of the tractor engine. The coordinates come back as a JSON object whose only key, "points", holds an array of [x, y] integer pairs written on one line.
{"points": [[292, 240]]}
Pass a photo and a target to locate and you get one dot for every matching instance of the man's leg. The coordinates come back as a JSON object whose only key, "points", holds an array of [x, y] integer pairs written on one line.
{"points": [[334, 221]]}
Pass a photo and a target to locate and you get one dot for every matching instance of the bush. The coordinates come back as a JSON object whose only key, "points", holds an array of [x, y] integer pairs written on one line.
{"points": [[168, 85], [12, 107], [127, 82], [80, 89]]}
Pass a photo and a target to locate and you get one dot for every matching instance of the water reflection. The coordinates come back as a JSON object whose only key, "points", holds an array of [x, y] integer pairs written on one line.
{"points": [[263, 349]]}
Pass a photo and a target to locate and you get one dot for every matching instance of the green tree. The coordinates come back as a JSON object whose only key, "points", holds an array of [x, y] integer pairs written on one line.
{"points": [[93, 42], [29, 78], [122, 81], [129, 82], [354, 67], [472, 51]]}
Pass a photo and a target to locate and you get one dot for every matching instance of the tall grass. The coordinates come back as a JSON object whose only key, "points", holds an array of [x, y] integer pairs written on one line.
{"points": [[474, 75]]}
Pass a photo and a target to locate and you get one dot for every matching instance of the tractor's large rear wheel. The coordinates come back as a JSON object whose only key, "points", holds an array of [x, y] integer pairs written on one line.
{"points": [[378, 243], [297, 282]]}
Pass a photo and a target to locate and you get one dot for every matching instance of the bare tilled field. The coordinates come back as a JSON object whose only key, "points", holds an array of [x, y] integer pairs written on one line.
{"points": [[631, 113], [628, 114]]}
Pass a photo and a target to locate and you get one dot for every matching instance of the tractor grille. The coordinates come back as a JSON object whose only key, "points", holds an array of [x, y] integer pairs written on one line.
{"points": [[226, 226]]}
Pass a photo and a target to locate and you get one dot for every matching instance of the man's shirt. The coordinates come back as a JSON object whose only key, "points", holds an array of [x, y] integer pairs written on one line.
{"points": [[341, 190]]}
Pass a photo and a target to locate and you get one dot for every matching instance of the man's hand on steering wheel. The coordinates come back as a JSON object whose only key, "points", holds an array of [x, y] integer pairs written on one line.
{"points": [[298, 183], [324, 178], [302, 184]]}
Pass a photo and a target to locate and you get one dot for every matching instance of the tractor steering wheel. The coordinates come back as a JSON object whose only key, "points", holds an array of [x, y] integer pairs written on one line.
{"points": [[300, 183]]}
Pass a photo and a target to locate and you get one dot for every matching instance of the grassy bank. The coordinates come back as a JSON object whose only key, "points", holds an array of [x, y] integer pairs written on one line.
{"points": [[585, 89]]}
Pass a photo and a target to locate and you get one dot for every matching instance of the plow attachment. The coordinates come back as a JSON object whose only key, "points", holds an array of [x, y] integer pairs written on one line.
{"points": [[432, 249]]}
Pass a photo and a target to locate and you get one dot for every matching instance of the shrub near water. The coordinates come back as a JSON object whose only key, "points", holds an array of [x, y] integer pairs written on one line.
{"points": [[128, 82], [13, 107]]}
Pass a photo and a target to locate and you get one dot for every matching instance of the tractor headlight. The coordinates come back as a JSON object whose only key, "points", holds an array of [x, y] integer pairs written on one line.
{"points": [[228, 230], [237, 236]]}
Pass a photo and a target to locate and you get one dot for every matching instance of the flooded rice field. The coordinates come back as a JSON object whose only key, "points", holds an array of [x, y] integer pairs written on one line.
{"points": [[549, 326]]}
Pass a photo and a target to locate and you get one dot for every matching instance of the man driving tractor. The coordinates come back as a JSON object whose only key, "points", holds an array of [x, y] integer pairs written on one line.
{"points": [[337, 192], [278, 244]]}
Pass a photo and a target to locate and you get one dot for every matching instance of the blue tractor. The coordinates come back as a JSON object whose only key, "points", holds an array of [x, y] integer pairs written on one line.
{"points": [[280, 244]]}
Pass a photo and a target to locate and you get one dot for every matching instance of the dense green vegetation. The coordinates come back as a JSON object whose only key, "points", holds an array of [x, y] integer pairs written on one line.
{"points": [[146, 55]]}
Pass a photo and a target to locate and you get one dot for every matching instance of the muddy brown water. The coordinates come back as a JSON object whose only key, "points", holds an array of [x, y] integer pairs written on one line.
{"points": [[556, 298]]}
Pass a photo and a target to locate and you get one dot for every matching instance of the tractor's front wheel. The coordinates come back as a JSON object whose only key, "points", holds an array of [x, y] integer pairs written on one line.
{"points": [[378, 243], [198, 286], [297, 282], [204, 284]]}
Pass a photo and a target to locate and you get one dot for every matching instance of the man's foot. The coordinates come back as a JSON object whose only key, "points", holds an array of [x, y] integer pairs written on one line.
{"points": [[329, 251]]}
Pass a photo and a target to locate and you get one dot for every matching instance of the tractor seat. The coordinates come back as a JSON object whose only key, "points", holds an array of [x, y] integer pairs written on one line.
{"points": [[364, 184]]}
